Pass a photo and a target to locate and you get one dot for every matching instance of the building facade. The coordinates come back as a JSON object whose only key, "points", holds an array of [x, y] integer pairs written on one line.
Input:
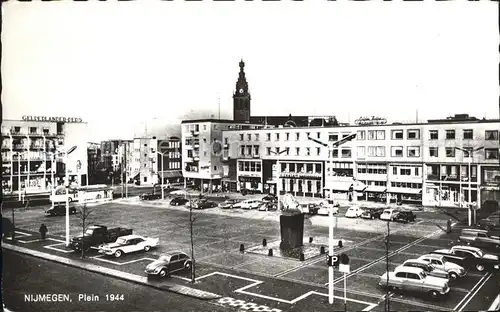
{"points": [[32, 151], [202, 151], [94, 162], [422, 163], [170, 160]]}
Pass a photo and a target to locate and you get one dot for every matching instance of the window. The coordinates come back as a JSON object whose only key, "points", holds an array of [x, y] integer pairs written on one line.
{"points": [[17, 129], [467, 152], [450, 152], [397, 134], [450, 134], [360, 135], [145, 178], [215, 127], [361, 151], [318, 135], [249, 150], [376, 151], [413, 151], [491, 135], [433, 151], [240, 166], [287, 151], [401, 274], [268, 136], [297, 136], [256, 150], [277, 136], [241, 137], [376, 134], [468, 134], [268, 151], [416, 171], [491, 153], [226, 140], [394, 171], [413, 276], [204, 140], [33, 129], [45, 131], [277, 150], [346, 153], [308, 151], [335, 153], [215, 167], [333, 137], [204, 127], [404, 171], [287, 136], [318, 151], [205, 153], [297, 151], [242, 150], [249, 137], [397, 151], [258, 167], [433, 134], [413, 134]]}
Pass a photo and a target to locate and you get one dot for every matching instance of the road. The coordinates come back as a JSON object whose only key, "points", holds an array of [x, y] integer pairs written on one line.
{"points": [[24, 275]]}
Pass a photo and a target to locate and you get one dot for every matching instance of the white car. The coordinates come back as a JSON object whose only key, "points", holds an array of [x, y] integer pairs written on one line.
{"points": [[324, 210], [353, 212], [388, 214], [439, 262], [251, 204], [326, 202], [128, 244]]}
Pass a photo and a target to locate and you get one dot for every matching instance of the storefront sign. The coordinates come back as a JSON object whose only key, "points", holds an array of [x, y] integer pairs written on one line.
{"points": [[300, 175], [53, 119], [373, 120], [249, 174]]}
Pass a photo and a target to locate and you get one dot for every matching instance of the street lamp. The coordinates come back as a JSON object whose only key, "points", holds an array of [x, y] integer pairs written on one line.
{"points": [[330, 210], [162, 174], [279, 175], [69, 151], [469, 153], [52, 179]]}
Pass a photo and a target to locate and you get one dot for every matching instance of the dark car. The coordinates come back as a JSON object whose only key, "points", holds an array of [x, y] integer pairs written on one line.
{"points": [[177, 201], [150, 196], [206, 204], [7, 227], [270, 198], [228, 204], [371, 213], [169, 263], [59, 210], [405, 216], [490, 223], [470, 257]]}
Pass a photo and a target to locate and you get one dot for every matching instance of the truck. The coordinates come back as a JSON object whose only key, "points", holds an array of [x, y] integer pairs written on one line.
{"points": [[96, 235]]}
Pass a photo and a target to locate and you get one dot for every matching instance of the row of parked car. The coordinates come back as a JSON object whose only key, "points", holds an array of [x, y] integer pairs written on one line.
{"points": [[432, 273], [389, 214]]}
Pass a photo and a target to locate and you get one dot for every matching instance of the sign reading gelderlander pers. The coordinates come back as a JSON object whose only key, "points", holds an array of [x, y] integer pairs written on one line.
{"points": [[373, 120], [53, 119]]}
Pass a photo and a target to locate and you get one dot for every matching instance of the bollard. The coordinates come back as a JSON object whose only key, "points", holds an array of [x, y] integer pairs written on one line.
{"points": [[310, 239], [302, 256], [270, 253], [264, 242], [340, 243], [242, 247], [322, 250]]}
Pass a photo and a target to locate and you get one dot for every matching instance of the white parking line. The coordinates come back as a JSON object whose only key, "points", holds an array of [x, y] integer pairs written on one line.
{"points": [[57, 249], [120, 263], [473, 292]]}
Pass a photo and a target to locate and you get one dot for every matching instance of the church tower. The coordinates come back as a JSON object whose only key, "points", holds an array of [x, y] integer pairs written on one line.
{"points": [[241, 97]]}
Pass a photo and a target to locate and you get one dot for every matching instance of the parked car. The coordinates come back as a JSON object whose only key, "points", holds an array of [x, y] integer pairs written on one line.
{"points": [[250, 204], [439, 262], [238, 204], [490, 223], [59, 210], [228, 204], [325, 211], [470, 257], [96, 235], [206, 204], [353, 212], [371, 213], [388, 214], [409, 279], [480, 238], [328, 202], [429, 269], [150, 196], [270, 198], [128, 244], [178, 201], [405, 217], [169, 263], [268, 206]]}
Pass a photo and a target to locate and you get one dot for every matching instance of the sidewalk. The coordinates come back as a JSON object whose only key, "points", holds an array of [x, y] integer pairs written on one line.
{"points": [[88, 266]]}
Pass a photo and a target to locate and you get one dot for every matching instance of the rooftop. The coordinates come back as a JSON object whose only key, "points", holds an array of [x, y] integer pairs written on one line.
{"points": [[218, 121]]}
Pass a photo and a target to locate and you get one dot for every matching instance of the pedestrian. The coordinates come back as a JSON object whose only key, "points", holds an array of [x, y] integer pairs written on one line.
{"points": [[448, 226], [43, 230]]}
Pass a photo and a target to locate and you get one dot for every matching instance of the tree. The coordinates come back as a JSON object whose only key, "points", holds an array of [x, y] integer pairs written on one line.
{"points": [[192, 219], [83, 214]]}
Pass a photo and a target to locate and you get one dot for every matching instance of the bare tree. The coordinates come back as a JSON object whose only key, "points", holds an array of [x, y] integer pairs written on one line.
{"points": [[84, 212], [192, 219]]}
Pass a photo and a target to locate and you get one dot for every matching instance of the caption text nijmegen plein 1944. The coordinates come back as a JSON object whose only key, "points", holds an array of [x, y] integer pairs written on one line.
{"points": [[51, 298]]}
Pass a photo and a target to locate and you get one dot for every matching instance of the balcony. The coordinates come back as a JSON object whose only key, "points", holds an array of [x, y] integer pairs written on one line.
{"points": [[256, 156], [195, 132]]}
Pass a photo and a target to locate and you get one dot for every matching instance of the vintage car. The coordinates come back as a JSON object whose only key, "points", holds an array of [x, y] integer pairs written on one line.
{"points": [[470, 257], [169, 263], [59, 210], [150, 196], [405, 217], [429, 269], [439, 262], [206, 204], [328, 202], [228, 204], [270, 198], [250, 204], [371, 213], [480, 238], [409, 279], [177, 201], [268, 206], [389, 214], [491, 223], [324, 210], [128, 244], [353, 212]]}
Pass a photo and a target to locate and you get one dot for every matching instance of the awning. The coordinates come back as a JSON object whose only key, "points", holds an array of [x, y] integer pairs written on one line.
{"points": [[171, 174], [376, 189], [406, 191], [339, 186]]}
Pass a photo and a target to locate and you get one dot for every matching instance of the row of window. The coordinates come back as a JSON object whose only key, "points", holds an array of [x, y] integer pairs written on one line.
{"points": [[411, 134], [174, 165], [249, 166], [489, 153], [407, 185]]}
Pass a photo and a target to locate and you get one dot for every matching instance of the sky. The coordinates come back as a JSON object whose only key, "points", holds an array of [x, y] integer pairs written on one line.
{"points": [[128, 68]]}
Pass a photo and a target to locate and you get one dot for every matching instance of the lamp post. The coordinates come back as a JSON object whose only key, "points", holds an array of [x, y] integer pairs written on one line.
{"points": [[330, 210], [162, 174], [469, 153], [278, 191], [52, 156], [66, 153]]}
